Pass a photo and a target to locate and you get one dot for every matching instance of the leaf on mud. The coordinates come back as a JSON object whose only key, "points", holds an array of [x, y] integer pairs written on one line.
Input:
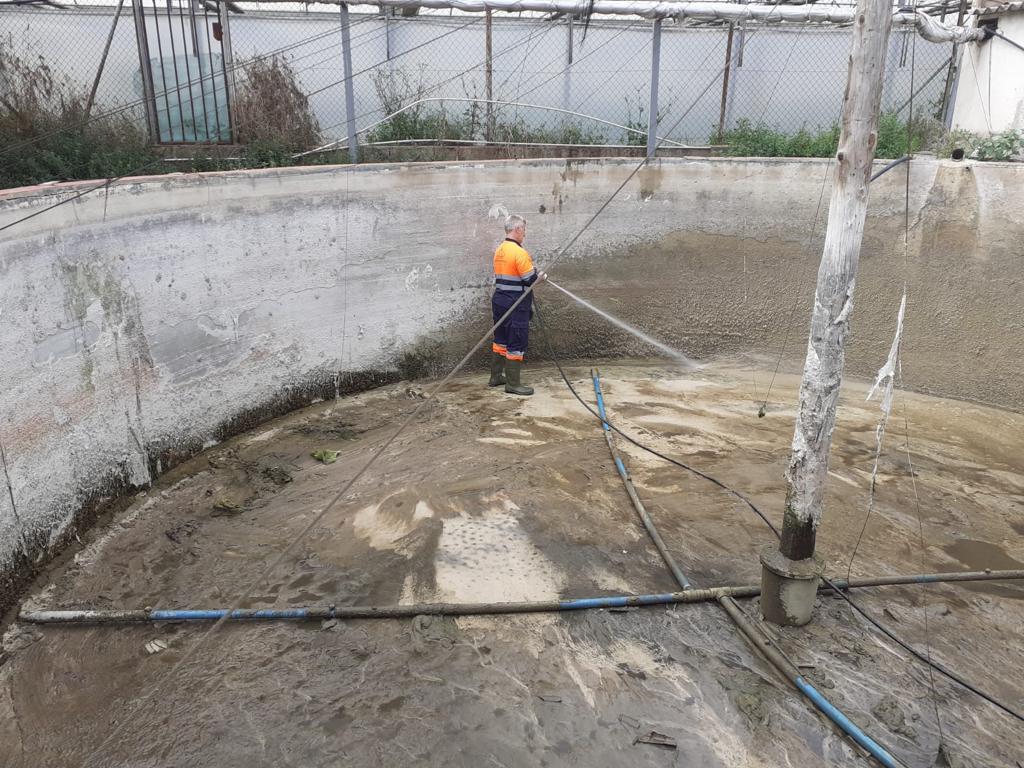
{"points": [[325, 456]]}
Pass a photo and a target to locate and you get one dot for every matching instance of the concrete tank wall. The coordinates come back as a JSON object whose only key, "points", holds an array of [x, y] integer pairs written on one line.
{"points": [[140, 325]]}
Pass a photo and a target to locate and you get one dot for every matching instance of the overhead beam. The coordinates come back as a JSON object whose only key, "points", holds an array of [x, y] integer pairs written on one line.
{"points": [[928, 27]]}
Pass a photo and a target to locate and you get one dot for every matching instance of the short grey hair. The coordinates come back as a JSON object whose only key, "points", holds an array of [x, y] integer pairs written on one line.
{"points": [[514, 222]]}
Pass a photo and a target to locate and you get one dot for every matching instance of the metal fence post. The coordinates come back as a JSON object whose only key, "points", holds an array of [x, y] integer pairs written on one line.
{"points": [[652, 118], [726, 70], [567, 83], [350, 100], [146, 70], [228, 59], [488, 79]]}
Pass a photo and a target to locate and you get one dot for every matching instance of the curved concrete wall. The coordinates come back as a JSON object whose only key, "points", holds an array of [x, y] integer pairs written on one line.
{"points": [[138, 325]]}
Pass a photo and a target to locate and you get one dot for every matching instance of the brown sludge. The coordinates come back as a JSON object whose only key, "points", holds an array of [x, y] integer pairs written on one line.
{"points": [[493, 498]]}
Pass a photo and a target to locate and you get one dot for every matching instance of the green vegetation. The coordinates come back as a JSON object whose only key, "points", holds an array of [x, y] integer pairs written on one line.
{"points": [[749, 140], [927, 135], [399, 92], [45, 134]]}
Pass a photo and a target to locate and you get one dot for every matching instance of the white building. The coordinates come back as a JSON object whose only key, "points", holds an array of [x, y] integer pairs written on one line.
{"points": [[990, 86]]}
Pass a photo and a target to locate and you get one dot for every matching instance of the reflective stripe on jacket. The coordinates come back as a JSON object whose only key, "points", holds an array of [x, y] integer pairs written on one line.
{"points": [[513, 267]]}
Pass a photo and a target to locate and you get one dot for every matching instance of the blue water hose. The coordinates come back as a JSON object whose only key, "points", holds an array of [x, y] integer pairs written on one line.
{"points": [[848, 726], [631, 491]]}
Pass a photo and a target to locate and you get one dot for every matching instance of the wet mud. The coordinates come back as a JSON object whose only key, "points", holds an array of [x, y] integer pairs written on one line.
{"points": [[490, 498]]}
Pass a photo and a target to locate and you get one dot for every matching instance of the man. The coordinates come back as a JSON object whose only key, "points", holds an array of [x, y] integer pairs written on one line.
{"points": [[513, 274]]}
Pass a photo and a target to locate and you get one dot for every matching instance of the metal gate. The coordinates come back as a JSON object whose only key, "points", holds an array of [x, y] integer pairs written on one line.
{"points": [[184, 71]]}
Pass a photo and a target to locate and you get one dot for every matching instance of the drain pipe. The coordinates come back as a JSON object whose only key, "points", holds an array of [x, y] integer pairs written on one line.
{"points": [[481, 609], [768, 649]]}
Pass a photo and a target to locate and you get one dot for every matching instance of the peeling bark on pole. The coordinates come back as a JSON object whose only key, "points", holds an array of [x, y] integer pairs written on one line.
{"points": [[833, 299]]}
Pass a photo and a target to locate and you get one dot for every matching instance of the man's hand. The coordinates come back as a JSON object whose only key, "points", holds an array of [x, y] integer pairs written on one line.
{"points": [[542, 276]]}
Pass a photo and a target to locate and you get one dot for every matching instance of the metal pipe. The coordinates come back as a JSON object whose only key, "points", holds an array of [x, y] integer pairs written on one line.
{"points": [[479, 609], [488, 80], [773, 654], [652, 117], [627, 481], [146, 70], [779, 660], [350, 102], [188, 74], [103, 59], [725, 83], [228, 62], [213, 76], [928, 27]]}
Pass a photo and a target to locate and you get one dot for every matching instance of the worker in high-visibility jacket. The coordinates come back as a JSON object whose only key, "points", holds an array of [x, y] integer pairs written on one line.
{"points": [[513, 274]]}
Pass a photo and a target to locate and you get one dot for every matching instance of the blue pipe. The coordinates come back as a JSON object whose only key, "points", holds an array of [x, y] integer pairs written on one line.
{"points": [[217, 613], [600, 409], [845, 724], [773, 654], [634, 497]]}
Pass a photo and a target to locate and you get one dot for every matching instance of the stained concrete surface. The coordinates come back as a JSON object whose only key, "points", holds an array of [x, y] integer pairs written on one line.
{"points": [[168, 313], [488, 497]]}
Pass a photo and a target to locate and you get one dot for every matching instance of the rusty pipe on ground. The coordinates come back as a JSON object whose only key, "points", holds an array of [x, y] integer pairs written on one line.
{"points": [[479, 609]]}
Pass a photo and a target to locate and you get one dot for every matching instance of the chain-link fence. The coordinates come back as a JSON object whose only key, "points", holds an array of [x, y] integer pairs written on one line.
{"points": [[213, 76]]}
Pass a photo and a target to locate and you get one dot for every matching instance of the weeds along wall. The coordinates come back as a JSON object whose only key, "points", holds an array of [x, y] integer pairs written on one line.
{"points": [[140, 325]]}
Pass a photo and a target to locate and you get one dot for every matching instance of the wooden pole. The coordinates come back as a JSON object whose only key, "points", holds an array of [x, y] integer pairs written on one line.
{"points": [[833, 300]]}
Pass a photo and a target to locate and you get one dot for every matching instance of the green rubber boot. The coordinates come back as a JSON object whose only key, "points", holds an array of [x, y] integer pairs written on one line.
{"points": [[497, 369], [513, 386]]}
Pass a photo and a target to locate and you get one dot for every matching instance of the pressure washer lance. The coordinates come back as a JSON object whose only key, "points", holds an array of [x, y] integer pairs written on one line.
{"points": [[661, 346]]}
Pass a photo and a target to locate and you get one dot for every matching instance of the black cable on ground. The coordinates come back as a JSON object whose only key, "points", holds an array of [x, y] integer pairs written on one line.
{"points": [[838, 590]]}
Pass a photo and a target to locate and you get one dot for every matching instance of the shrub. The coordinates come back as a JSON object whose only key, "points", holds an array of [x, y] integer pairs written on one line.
{"points": [[750, 140], [272, 114], [43, 118]]}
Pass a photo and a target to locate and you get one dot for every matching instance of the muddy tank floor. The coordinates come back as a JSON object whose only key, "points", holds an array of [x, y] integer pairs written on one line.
{"points": [[488, 498]]}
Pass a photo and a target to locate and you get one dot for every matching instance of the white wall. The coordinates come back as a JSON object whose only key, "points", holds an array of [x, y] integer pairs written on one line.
{"points": [[990, 88]]}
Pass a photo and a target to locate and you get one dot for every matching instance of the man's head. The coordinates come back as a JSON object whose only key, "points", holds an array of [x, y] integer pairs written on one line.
{"points": [[515, 228]]}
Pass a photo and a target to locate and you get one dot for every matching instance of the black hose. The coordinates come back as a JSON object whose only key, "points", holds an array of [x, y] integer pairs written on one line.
{"points": [[1001, 36], [839, 591], [890, 166]]}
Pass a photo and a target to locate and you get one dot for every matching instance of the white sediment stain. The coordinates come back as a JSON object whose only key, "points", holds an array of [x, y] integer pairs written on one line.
{"points": [[499, 212], [490, 559], [262, 437], [422, 511], [509, 441], [381, 530], [517, 432]]}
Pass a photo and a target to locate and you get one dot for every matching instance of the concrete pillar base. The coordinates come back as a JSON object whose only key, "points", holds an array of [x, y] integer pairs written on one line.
{"points": [[788, 587]]}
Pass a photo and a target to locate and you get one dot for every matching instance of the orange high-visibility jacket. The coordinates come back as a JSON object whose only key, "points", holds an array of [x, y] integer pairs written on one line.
{"points": [[513, 267]]}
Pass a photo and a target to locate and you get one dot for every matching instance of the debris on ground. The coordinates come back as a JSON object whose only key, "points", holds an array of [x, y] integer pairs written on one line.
{"points": [[277, 475], [657, 739], [889, 712], [183, 530], [155, 646], [224, 506], [325, 456], [550, 698]]}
